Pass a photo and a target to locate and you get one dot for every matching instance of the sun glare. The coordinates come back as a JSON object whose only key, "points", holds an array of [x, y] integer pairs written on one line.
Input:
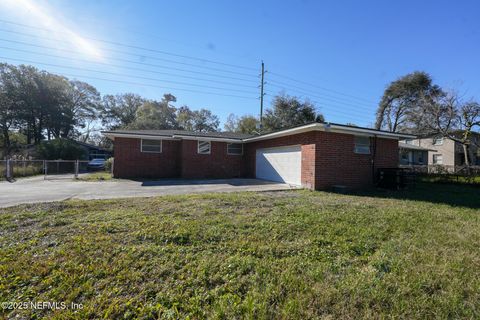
{"points": [[44, 19]]}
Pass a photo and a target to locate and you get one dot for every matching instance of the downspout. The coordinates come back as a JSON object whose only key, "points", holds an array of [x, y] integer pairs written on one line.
{"points": [[374, 155]]}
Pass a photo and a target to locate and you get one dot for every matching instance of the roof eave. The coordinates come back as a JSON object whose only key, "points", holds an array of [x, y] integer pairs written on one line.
{"points": [[327, 127], [205, 138], [112, 135]]}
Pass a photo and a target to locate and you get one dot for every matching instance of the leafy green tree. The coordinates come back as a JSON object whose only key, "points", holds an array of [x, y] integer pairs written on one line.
{"points": [[248, 124], [61, 149], [185, 118], [83, 104], [205, 121], [8, 105], [400, 109], [119, 111], [46, 104], [289, 111], [244, 124], [202, 120], [156, 115]]}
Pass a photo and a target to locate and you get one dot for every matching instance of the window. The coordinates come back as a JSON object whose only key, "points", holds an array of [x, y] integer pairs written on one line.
{"points": [[437, 159], [204, 147], [411, 142], [437, 141], [420, 159], [153, 146], [362, 145], [235, 148]]}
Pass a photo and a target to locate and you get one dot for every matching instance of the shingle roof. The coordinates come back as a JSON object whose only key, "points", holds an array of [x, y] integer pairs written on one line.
{"points": [[249, 137], [169, 133]]}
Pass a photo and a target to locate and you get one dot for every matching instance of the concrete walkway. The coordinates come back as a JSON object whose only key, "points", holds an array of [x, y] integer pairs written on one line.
{"points": [[36, 189]]}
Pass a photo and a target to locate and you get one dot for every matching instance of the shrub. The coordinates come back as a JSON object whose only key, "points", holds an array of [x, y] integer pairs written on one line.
{"points": [[109, 164]]}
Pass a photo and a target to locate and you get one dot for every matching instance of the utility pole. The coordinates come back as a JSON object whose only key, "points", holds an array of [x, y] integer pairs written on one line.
{"points": [[262, 83]]}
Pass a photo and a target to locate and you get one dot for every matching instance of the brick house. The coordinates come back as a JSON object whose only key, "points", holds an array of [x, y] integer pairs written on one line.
{"points": [[315, 155]]}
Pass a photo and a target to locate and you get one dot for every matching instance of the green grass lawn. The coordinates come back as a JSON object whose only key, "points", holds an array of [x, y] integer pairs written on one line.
{"points": [[449, 178], [96, 176], [292, 254]]}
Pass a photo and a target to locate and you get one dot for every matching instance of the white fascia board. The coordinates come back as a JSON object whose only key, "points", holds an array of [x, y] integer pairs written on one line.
{"points": [[283, 133], [112, 136], [199, 138], [331, 128], [367, 132]]}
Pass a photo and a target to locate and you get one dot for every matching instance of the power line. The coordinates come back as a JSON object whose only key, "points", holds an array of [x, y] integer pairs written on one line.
{"points": [[286, 86], [172, 61], [123, 75], [319, 87], [131, 29], [307, 95], [118, 66], [134, 47], [159, 87], [142, 56], [343, 110], [322, 106]]}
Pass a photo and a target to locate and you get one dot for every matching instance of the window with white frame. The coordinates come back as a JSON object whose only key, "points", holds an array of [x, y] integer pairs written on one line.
{"points": [[362, 145], [410, 142], [204, 147], [152, 146], [438, 141], [437, 159], [235, 149]]}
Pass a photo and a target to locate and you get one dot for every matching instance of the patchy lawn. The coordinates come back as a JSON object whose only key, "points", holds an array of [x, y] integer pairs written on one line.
{"points": [[292, 254], [96, 176]]}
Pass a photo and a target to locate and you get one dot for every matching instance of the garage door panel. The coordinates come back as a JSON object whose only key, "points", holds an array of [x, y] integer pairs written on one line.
{"points": [[281, 164]]}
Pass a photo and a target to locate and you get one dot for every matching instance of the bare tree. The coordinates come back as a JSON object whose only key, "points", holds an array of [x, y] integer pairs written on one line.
{"points": [[450, 117]]}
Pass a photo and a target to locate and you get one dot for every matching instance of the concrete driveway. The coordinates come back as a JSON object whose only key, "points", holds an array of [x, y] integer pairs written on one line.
{"points": [[36, 189]]}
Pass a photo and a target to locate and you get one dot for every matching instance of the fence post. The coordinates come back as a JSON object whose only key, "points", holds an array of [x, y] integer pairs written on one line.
{"points": [[76, 169], [111, 169], [9, 174], [45, 169]]}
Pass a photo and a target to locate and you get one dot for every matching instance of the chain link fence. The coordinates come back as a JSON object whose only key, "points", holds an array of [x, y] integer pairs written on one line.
{"points": [[50, 169], [445, 174]]}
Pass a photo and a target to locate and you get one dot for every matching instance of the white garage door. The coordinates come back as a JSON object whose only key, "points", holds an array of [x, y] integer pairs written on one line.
{"points": [[283, 164]]}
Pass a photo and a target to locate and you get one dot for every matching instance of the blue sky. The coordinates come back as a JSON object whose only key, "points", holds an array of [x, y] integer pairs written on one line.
{"points": [[340, 54]]}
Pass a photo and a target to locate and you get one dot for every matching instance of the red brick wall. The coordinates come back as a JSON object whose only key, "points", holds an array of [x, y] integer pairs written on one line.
{"points": [[179, 158], [217, 164], [308, 165], [306, 140], [131, 163], [338, 164], [328, 158]]}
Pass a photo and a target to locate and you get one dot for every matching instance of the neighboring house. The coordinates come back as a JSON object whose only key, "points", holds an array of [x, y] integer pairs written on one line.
{"points": [[411, 154], [94, 152], [443, 151], [315, 155]]}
